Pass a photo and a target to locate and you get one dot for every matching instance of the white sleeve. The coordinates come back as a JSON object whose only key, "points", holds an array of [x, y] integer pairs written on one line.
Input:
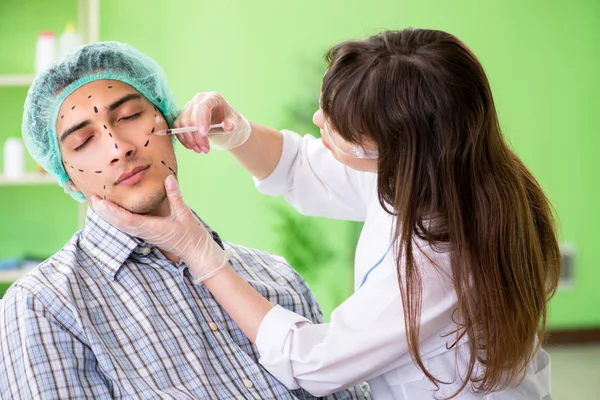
{"points": [[365, 338], [317, 184]]}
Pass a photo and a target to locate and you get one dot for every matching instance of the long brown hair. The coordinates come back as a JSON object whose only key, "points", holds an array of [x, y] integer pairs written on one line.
{"points": [[424, 99]]}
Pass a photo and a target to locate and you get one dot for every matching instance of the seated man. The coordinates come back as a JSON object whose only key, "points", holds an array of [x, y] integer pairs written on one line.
{"points": [[110, 316]]}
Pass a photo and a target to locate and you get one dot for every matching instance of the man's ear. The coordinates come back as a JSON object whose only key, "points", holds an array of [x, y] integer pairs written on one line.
{"points": [[74, 187]]}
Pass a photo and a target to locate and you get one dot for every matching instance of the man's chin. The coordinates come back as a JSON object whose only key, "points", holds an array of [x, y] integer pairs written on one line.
{"points": [[148, 203]]}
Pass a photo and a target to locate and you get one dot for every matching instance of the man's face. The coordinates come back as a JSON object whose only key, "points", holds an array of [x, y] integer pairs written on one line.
{"points": [[105, 138]]}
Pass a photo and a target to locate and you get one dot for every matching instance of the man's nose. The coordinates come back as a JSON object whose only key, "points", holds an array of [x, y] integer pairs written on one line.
{"points": [[121, 150]]}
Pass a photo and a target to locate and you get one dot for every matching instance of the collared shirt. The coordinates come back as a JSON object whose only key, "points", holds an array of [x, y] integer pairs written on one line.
{"points": [[109, 316]]}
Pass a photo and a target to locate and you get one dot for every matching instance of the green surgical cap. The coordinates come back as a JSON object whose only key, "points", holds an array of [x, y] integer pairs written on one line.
{"points": [[92, 62]]}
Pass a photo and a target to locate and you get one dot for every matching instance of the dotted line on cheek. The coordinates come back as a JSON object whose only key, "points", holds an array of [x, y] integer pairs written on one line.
{"points": [[72, 167], [170, 169]]}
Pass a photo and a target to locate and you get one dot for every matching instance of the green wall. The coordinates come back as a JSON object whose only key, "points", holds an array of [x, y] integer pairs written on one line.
{"points": [[34, 220], [542, 59]]}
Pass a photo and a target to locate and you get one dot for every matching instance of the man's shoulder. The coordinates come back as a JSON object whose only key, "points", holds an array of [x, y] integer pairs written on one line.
{"points": [[51, 278], [254, 263], [275, 279]]}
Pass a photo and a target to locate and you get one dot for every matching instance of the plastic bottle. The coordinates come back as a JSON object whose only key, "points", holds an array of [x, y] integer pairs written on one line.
{"points": [[45, 51], [69, 40], [14, 158]]}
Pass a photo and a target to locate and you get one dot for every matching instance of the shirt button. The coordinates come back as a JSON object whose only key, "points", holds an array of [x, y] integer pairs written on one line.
{"points": [[248, 383], [213, 326], [146, 251]]}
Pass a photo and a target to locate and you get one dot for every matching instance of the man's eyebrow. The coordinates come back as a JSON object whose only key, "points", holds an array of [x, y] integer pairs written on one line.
{"points": [[111, 107], [74, 128], [118, 103]]}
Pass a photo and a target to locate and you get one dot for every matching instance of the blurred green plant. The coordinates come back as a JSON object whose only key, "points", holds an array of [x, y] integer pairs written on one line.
{"points": [[303, 242]]}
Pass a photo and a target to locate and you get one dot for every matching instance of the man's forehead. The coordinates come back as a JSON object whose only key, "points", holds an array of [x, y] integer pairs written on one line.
{"points": [[100, 89]]}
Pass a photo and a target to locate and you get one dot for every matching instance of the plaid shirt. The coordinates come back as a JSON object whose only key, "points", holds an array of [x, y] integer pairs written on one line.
{"points": [[109, 316]]}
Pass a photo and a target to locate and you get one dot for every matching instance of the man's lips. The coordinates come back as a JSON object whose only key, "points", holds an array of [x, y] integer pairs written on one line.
{"points": [[134, 174]]}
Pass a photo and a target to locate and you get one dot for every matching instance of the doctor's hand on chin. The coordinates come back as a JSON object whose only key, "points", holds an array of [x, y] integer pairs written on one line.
{"points": [[180, 233]]}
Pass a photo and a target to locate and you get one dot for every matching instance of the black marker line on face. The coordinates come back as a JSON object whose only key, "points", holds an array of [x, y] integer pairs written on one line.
{"points": [[104, 126], [104, 187], [152, 130], [90, 96], [147, 141], [98, 172], [110, 87], [80, 170], [72, 167], [62, 116], [96, 109], [116, 147], [72, 108], [170, 169], [109, 134]]}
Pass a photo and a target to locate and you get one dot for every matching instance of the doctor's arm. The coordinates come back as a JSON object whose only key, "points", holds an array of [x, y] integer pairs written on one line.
{"points": [[260, 154], [365, 338]]}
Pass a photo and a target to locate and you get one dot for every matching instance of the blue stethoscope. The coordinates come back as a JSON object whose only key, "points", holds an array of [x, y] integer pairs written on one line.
{"points": [[364, 279]]}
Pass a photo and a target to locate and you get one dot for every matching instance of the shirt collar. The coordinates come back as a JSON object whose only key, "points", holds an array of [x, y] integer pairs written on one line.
{"points": [[107, 245], [111, 247]]}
